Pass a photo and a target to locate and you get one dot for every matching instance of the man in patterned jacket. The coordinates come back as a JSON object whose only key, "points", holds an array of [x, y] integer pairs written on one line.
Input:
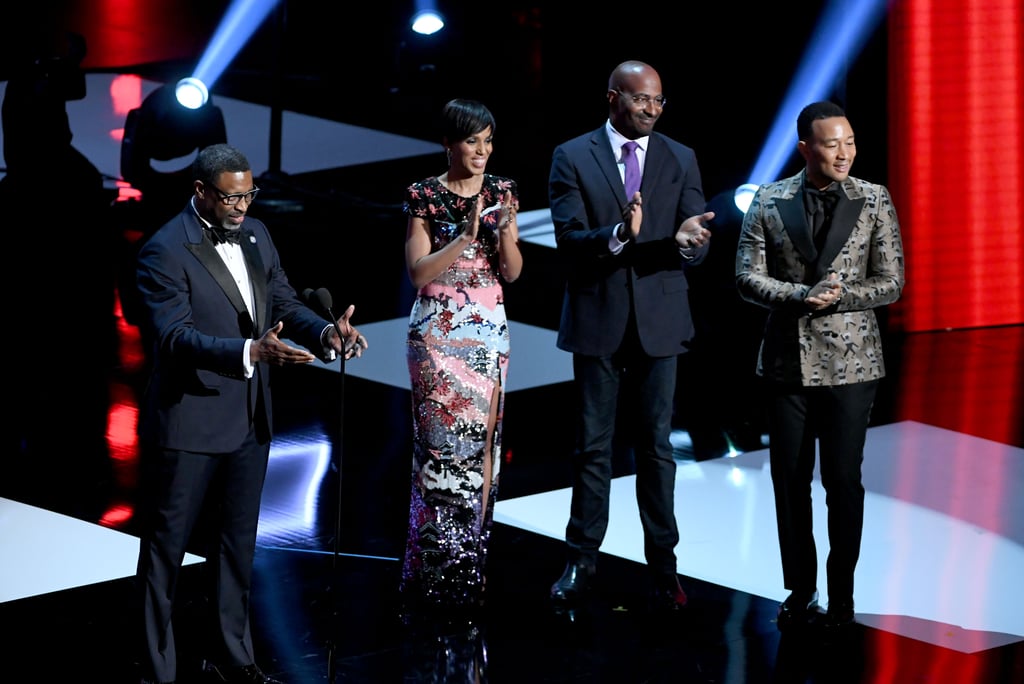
{"points": [[821, 250]]}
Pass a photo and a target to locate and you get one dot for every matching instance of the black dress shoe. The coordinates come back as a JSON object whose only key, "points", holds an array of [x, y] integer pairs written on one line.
{"points": [[666, 595], [839, 614], [798, 610], [246, 674], [574, 582]]}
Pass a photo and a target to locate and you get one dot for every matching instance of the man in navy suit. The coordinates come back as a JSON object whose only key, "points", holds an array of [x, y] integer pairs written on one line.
{"points": [[625, 315], [216, 302]]}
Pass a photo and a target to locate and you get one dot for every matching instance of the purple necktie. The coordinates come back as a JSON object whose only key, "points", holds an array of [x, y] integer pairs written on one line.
{"points": [[632, 180]]}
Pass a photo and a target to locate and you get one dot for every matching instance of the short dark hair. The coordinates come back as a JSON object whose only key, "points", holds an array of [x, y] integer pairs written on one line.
{"points": [[216, 159], [462, 118], [824, 109]]}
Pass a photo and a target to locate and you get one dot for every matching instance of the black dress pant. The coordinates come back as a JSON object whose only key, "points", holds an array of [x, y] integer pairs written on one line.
{"points": [[180, 484], [647, 384], [835, 419]]}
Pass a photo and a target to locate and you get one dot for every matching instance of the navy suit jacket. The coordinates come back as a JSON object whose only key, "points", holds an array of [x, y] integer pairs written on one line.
{"points": [[198, 398], [587, 199]]}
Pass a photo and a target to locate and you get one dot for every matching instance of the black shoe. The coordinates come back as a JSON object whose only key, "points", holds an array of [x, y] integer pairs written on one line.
{"points": [[574, 582], [798, 610], [666, 595], [246, 674], [839, 614]]}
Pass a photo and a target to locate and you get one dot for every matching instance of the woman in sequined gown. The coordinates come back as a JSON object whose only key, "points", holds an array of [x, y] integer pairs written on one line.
{"points": [[461, 245]]}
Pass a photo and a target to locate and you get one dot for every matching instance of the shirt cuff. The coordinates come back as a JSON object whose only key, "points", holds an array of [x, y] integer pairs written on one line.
{"points": [[329, 352], [615, 245], [246, 362]]}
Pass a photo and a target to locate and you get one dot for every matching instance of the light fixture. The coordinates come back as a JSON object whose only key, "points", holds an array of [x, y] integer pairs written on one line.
{"points": [[161, 140], [427, 20], [744, 195], [191, 93]]}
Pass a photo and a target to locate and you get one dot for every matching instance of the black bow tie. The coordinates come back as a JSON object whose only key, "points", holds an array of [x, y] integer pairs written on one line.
{"points": [[219, 234], [819, 200]]}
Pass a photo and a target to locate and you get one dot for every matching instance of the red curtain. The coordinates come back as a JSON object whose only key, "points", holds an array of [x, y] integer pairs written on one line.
{"points": [[956, 155]]}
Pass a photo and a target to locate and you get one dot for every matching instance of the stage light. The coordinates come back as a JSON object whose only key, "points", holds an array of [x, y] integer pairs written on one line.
{"points": [[743, 196], [191, 93], [427, 21], [161, 139]]}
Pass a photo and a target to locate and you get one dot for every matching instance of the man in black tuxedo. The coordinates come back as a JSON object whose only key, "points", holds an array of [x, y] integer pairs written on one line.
{"points": [[627, 228], [216, 301]]}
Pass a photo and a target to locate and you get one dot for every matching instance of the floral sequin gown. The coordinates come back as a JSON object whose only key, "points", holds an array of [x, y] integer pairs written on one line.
{"points": [[458, 352]]}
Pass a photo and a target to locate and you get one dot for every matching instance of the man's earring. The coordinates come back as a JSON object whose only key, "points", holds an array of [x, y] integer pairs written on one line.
{"points": [[448, 153]]}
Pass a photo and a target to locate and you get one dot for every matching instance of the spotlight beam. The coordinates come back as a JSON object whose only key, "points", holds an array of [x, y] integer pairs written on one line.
{"points": [[240, 21], [840, 35]]}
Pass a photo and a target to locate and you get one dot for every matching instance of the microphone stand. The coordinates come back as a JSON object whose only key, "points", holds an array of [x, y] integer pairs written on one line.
{"points": [[341, 437], [322, 298], [325, 301]]}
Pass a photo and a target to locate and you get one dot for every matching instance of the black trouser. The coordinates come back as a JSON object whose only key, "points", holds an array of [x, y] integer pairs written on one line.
{"points": [[648, 384], [837, 417]]}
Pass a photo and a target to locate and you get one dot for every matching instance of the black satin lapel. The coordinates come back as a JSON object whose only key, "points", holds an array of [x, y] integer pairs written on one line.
{"points": [[254, 262], [794, 220], [207, 255], [844, 219]]}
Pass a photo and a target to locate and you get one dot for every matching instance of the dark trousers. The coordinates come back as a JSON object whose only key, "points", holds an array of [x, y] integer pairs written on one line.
{"points": [[837, 419], [647, 385], [178, 484]]}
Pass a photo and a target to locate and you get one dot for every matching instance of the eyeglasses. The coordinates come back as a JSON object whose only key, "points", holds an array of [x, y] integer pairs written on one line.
{"points": [[232, 200], [643, 99]]}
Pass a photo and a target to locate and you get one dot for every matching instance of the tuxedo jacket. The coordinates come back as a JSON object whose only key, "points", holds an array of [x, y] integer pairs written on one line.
{"points": [[198, 398], [648, 276], [777, 264]]}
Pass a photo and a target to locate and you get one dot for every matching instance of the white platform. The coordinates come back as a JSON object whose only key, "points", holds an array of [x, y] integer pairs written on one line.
{"points": [[42, 551], [943, 549]]}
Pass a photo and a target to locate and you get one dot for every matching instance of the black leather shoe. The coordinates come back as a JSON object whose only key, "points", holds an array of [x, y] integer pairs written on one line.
{"points": [[798, 610], [574, 582], [247, 674], [839, 614], [666, 595]]}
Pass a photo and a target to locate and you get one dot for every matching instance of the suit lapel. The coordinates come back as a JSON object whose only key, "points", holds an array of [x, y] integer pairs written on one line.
{"points": [[606, 162], [254, 263], [654, 159], [204, 251], [794, 221], [844, 219]]}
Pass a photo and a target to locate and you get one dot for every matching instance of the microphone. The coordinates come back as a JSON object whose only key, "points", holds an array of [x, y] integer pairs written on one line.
{"points": [[321, 299]]}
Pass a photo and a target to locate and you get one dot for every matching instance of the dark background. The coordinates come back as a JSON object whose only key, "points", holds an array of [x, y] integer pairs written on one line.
{"points": [[541, 66]]}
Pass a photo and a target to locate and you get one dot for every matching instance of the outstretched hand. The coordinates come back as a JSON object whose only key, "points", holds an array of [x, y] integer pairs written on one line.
{"points": [[692, 232], [351, 343], [270, 349]]}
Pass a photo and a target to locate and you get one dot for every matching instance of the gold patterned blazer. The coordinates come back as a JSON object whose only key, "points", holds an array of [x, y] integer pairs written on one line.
{"points": [[777, 264]]}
